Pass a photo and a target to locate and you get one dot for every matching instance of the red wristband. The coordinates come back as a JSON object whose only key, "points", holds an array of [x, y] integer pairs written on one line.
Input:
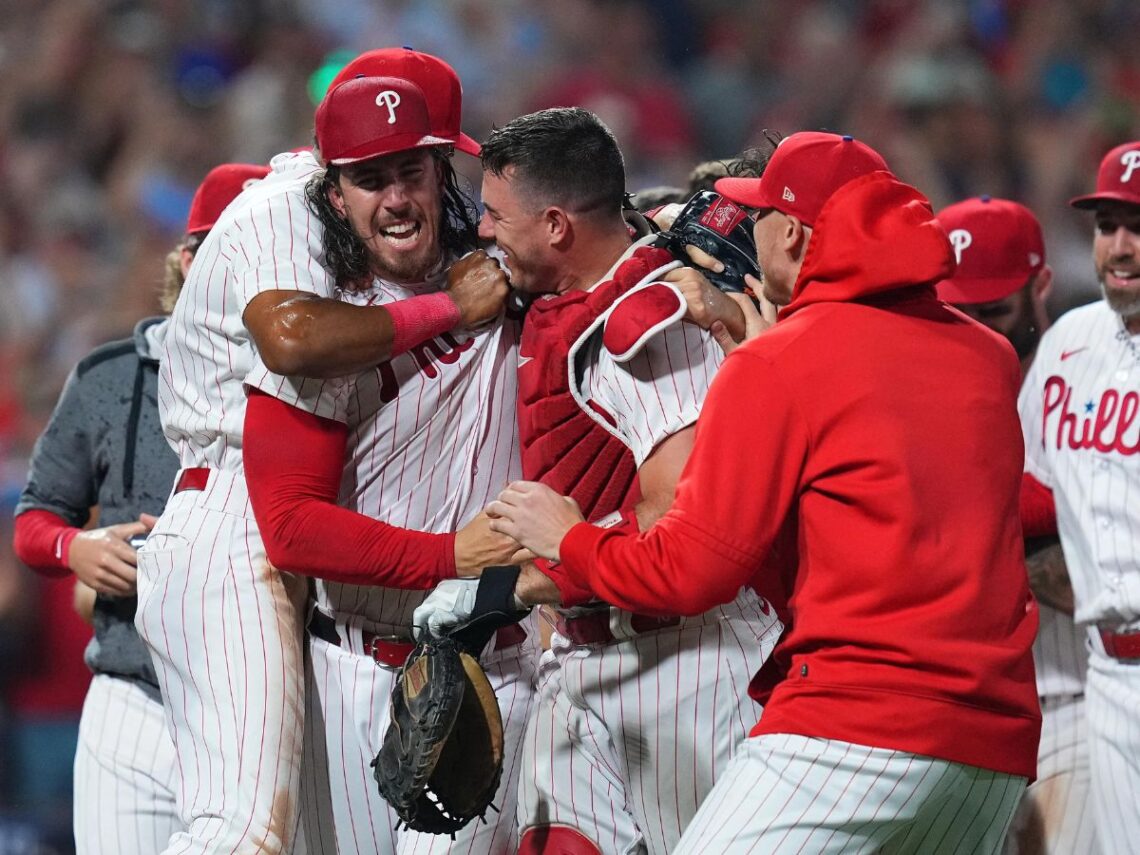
{"points": [[417, 319]]}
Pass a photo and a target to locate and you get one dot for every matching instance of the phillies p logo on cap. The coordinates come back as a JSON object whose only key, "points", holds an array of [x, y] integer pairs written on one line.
{"points": [[369, 117], [960, 239], [1131, 162], [389, 98], [1005, 249], [1117, 180]]}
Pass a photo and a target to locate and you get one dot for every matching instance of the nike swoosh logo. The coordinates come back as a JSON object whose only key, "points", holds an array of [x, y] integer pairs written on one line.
{"points": [[1065, 354], [523, 360]]}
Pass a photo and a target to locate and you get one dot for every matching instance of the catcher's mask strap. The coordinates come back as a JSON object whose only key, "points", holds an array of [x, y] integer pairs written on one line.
{"points": [[639, 224], [494, 608]]}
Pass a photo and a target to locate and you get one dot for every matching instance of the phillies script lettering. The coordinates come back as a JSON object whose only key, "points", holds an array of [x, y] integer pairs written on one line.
{"points": [[445, 350], [1101, 426]]}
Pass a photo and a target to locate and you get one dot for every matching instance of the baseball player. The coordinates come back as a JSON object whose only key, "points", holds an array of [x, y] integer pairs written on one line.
{"points": [[1079, 406], [1002, 280], [104, 446], [422, 442], [635, 717], [901, 713], [260, 311]]}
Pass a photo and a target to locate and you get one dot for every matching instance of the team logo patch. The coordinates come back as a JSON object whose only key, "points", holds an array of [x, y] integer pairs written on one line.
{"points": [[960, 239], [1130, 160], [789, 196], [722, 216], [391, 99]]}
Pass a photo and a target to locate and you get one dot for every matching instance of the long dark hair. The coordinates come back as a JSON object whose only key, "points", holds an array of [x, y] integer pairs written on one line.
{"points": [[345, 253]]}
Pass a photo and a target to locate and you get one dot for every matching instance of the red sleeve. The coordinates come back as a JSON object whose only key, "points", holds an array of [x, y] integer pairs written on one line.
{"points": [[41, 540], [719, 531], [1038, 512], [293, 463]]}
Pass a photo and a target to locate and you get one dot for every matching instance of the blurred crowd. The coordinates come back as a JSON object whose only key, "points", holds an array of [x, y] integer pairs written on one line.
{"points": [[112, 111]]}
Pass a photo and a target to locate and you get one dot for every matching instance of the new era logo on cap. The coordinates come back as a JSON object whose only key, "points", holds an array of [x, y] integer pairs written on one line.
{"points": [[788, 195], [998, 245], [1117, 180], [370, 117]]}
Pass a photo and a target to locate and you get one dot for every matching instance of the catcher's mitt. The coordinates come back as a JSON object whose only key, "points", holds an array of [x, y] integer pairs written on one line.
{"points": [[723, 230], [442, 757]]}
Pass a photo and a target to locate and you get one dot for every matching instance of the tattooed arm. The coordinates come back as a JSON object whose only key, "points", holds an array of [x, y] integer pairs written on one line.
{"points": [[1048, 574]]}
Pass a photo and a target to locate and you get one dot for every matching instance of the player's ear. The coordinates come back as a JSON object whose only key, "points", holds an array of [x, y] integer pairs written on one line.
{"points": [[1042, 285], [185, 257], [556, 223], [795, 237], [334, 194]]}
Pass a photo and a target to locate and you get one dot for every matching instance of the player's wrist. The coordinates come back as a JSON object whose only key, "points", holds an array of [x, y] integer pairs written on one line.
{"points": [[418, 319]]}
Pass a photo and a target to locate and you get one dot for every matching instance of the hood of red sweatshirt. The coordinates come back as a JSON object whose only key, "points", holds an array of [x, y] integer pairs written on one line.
{"points": [[874, 235]]}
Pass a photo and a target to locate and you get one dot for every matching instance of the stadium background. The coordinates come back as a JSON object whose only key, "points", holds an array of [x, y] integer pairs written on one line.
{"points": [[111, 112]]}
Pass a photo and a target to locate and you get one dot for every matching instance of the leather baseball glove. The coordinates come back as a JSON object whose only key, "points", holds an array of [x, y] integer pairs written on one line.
{"points": [[442, 757], [723, 230]]}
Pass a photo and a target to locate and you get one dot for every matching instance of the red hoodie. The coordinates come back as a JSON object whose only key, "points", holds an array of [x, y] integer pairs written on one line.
{"points": [[875, 429]]}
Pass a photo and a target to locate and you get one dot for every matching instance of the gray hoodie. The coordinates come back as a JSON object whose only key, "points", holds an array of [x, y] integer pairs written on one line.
{"points": [[104, 446]]}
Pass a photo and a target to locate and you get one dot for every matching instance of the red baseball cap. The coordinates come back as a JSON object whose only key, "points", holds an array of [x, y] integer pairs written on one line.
{"points": [[221, 186], [805, 170], [1118, 178], [437, 79], [998, 245], [367, 117]]}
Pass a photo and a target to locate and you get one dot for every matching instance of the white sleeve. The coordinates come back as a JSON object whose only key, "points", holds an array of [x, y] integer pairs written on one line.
{"points": [[661, 390], [1031, 409], [277, 245]]}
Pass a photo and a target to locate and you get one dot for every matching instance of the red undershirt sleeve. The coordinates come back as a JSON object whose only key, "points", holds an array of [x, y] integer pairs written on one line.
{"points": [[293, 464], [1038, 511], [41, 540]]}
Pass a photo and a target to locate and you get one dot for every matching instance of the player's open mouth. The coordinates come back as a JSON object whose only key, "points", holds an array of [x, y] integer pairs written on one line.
{"points": [[401, 235], [1122, 277]]}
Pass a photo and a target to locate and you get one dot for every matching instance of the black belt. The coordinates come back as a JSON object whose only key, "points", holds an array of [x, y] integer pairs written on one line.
{"points": [[392, 650]]}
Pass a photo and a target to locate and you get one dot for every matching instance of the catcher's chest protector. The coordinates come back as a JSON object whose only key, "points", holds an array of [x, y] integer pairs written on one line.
{"points": [[562, 446]]}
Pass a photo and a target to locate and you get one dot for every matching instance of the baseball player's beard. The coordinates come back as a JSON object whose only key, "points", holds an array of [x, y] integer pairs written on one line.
{"points": [[404, 266], [1124, 301]]}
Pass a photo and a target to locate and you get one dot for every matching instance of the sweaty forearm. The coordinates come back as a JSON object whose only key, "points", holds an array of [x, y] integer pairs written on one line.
{"points": [[302, 335], [1048, 574]]}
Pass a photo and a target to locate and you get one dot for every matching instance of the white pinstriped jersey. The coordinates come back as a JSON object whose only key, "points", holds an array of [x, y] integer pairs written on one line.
{"points": [[1080, 410], [658, 392], [267, 239], [432, 439]]}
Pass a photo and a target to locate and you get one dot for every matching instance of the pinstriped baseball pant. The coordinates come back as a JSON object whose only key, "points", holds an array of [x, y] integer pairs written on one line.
{"points": [[125, 772], [627, 738], [794, 794], [1055, 817], [1112, 698], [224, 630]]}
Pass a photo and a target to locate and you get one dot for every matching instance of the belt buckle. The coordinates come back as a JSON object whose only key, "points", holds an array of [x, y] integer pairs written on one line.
{"points": [[374, 646]]}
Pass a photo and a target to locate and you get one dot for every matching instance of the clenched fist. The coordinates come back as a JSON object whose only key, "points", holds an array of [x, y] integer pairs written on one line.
{"points": [[478, 285]]}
